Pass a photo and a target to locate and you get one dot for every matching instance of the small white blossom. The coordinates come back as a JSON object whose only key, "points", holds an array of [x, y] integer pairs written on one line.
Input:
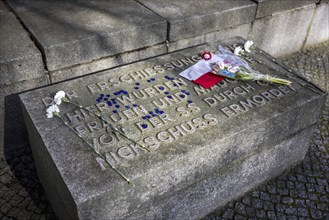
{"points": [[238, 50], [248, 45], [51, 110], [58, 97]]}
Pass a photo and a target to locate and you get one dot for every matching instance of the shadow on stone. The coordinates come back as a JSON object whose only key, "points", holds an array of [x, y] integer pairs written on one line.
{"points": [[18, 155]]}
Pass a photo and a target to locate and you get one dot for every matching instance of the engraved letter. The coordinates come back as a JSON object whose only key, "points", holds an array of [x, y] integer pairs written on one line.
{"points": [[48, 101], [210, 101], [248, 88], [228, 112]]}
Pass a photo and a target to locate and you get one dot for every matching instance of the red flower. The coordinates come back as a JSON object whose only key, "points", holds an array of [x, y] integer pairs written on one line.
{"points": [[206, 55]]}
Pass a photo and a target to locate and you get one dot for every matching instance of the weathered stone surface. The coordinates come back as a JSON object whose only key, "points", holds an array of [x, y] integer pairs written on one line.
{"points": [[275, 34], [75, 32], [269, 7], [319, 31], [207, 151], [20, 60], [12, 127], [241, 31], [193, 18], [108, 62]]}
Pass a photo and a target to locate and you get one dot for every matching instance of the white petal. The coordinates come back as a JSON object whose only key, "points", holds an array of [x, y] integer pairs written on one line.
{"points": [[248, 45], [49, 114], [56, 108], [53, 108], [59, 94], [58, 101], [238, 50]]}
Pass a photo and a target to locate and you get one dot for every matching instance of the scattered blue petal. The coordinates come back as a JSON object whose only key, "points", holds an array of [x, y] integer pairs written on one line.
{"points": [[135, 105], [106, 99], [109, 103], [125, 92], [180, 84], [169, 96], [150, 112], [144, 126], [115, 111], [189, 101], [117, 106], [161, 112], [144, 117], [161, 87], [182, 96], [166, 93], [136, 87], [108, 95], [187, 93], [102, 95], [98, 100], [147, 116], [175, 84], [127, 107], [149, 80], [137, 83], [152, 79]]}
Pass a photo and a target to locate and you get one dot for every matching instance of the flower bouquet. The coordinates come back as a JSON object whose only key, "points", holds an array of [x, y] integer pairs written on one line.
{"points": [[232, 66]]}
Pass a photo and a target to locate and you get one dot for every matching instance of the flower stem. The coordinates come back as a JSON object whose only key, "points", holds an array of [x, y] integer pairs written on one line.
{"points": [[97, 152], [114, 129]]}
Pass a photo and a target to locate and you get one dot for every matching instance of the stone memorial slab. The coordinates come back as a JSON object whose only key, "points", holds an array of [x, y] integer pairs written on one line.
{"points": [[207, 147], [75, 32], [193, 18]]}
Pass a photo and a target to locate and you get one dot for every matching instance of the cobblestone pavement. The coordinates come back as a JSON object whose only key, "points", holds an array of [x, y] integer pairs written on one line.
{"points": [[302, 193]]}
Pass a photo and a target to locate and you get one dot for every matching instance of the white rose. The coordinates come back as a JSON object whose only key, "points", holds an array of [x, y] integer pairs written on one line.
{"points": [[248, 45], [238, 50], [58, 97], [51, 110]]}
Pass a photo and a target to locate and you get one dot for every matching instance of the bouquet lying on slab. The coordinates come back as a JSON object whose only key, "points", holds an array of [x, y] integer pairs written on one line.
{"points": [[214, 67]]}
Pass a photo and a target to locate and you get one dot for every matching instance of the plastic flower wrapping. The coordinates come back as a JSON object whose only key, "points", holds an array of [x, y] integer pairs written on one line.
{"points": [[232, 66]]}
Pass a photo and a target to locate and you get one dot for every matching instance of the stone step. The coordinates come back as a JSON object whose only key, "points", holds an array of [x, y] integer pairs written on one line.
{"points": [[75, 32], [207, 146]]}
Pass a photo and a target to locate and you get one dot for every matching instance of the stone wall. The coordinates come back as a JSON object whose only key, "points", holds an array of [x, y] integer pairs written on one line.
{"points": [[42, 43]]}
